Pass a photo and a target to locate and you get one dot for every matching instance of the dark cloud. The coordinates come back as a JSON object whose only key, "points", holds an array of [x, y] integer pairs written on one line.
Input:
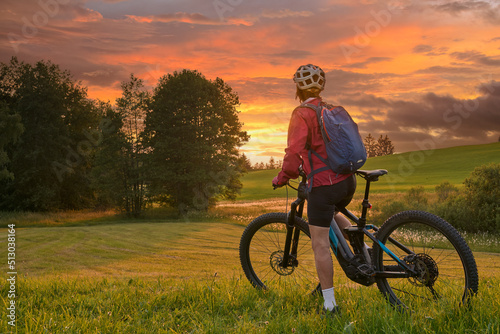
{"points": [[493, 15], [370, 60], [448, 70], [488, 11], [366, 101], [442, 120], [282, 13], [429, 50], [422, 48], [346, 83], [457, 7], [476, 57], [250, 89], [293, 54]]}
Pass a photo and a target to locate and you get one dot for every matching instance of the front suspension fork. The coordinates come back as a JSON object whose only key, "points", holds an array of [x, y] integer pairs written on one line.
{"points": [[292, 234]]}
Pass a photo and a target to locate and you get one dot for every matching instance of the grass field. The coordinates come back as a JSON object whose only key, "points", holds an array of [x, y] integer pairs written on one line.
{"points": [[88, 272], [424, 168], [185, 277]]}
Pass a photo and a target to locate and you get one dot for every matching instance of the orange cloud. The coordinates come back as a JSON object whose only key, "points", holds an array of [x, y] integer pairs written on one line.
{"points": [[194, 18]]}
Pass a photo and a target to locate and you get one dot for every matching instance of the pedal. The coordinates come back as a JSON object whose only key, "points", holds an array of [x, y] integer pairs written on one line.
{"points": [[366, 270]]}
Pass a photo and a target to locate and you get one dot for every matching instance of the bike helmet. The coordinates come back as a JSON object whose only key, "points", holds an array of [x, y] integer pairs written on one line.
{"points": [[309, 76]]}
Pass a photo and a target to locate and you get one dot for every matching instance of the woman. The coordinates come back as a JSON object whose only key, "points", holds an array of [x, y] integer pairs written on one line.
{"points": [[329, 189]]}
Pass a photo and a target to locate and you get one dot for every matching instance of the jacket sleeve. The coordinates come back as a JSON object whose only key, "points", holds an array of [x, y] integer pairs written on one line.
{"points": [[297, 140]]}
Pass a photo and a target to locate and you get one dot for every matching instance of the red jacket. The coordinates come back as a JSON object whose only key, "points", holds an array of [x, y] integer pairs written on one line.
{"points": [[304, 128]]}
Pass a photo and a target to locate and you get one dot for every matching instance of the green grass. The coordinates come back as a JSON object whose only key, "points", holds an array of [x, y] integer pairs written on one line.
{"points": [[171, 276], [87, 272], [420, 168], [227, 306]]}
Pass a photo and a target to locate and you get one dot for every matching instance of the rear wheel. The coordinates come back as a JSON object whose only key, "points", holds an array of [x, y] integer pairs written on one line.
{"points": [[261, 255], [444, 268]]}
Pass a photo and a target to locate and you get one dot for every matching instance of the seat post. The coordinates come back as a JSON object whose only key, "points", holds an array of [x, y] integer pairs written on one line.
{"points": [[366, 205], [369, 176]]}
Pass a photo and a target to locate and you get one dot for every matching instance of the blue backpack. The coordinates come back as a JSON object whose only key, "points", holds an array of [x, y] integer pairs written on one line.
{"points": [[345, 149]]}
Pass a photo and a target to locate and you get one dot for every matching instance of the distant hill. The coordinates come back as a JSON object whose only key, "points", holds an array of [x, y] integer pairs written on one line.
{"points": [[426, 168]]}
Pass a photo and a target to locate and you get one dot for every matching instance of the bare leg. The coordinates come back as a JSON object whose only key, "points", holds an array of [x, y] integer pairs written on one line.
{"points": [[320, 240], [321, 247], [342, 223]]}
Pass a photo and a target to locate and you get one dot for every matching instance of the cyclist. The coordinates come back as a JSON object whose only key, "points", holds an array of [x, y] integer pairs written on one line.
{"points": [[329, 189]]}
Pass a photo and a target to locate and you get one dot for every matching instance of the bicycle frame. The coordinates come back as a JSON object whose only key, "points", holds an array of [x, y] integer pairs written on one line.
{"points": [[338, 242]]}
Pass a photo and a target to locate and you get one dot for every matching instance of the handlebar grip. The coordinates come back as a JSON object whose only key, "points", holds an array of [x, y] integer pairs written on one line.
{"points": [[276, 186]]}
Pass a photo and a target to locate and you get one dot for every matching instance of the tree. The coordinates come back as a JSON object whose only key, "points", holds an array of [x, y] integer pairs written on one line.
{"points": [[107, 168], [247, 164], [11, 129], [119, 163], [192, 132], [132, 107], [384, 146], [370, 145], [271, 164], [49, 164]]}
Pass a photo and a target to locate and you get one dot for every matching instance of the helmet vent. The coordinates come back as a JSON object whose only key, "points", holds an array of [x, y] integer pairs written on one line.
{"points": [[310, 76]]}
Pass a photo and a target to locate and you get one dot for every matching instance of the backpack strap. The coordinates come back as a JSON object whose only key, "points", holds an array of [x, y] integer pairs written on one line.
{"points": [[313, 172]]}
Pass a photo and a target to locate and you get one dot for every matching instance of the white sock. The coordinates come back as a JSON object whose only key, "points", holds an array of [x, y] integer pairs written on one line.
{"points": [[329, 297]]}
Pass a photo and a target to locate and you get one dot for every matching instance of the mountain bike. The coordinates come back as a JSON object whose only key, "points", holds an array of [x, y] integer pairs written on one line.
{"points": [[415, 257]]}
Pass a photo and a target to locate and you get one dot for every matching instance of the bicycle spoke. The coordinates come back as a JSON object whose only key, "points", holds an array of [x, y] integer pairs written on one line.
{"points": [[263, 255], [439, 269]]}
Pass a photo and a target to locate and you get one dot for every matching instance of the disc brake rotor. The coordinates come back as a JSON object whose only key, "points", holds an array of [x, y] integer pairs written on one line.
{"points": [[276, 262]]}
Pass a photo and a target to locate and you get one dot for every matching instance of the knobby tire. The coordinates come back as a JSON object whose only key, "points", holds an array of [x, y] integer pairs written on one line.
{"points": [[261, 248], [447, 270]]}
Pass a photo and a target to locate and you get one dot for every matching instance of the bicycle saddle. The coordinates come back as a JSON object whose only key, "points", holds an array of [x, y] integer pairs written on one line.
{"points": [[371, 175]]}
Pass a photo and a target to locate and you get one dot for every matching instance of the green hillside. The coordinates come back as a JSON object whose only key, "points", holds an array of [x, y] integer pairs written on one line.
{"points": [[406, 170]]}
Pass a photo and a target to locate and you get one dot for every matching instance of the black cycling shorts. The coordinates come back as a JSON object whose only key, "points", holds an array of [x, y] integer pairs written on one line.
{"points": [[323, 201]]}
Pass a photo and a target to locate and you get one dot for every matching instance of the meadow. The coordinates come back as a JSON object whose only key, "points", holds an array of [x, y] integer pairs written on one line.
{"points": [[419, 168], [88, 272], [185, 277]]}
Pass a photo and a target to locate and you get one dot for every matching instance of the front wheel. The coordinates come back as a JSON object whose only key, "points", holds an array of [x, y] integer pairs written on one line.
{"points": [[261, 253], [444, 269]]}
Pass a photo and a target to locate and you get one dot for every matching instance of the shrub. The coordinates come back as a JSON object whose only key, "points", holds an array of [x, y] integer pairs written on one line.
{"points": [[446, 190], [456, 211], [387, 210], [416, 198], [482, 190], [476, 207]]}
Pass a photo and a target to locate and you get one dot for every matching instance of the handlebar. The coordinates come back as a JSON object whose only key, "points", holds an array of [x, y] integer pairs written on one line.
{"points": [[302, 173]]}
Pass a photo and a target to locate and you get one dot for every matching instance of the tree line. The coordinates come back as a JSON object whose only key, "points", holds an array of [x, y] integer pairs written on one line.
{"points": [[374, 148], [177, 144], [271, 164]]}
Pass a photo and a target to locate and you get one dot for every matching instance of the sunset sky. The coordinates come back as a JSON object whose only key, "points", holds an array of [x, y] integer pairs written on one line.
{"points": [[426, 73]]}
